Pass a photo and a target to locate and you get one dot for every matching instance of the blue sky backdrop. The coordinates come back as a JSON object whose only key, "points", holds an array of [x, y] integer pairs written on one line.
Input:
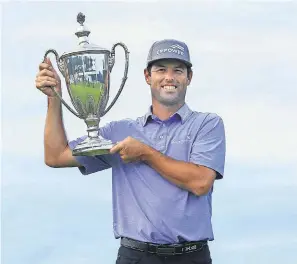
{"points": [[245, 64]]}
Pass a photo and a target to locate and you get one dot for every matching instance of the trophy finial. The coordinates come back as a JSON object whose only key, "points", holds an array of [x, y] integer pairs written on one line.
{"points": [[82, 32], [81, 18]]}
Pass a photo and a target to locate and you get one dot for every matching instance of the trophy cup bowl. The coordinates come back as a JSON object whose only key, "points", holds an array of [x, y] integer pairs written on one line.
{"points": [[86, 71]]}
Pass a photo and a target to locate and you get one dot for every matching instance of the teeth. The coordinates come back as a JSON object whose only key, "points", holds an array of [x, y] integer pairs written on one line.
{"points": [[169, 87]]}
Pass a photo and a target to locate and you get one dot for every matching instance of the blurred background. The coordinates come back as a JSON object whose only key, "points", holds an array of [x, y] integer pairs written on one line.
{"points": [[245, 62]]}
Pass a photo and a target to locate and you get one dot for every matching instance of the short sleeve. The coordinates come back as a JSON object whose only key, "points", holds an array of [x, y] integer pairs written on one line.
{"points": [[92, 164], [209, 147]]}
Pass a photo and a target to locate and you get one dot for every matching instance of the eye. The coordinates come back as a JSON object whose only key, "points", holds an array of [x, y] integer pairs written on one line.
{"points": [[161, 70], [179, 70]]}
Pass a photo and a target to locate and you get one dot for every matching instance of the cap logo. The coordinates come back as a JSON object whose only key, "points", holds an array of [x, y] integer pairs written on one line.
{"points": [[172, 49], [176, 46]]}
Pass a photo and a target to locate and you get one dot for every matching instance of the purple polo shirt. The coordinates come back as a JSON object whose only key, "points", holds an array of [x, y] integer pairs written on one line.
{"points": [[146, 206]]}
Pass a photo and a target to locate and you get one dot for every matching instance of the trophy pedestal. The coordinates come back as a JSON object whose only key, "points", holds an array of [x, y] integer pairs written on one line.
{"points": [[92, 147]]}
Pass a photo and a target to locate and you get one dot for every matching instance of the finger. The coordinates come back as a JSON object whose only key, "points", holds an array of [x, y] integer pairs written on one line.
{"points": [[46, 78], [125, 159], [46, 72], [41, 79], [114, 149], [118, 147], [45, 83], [44, 65], [48, 61]]}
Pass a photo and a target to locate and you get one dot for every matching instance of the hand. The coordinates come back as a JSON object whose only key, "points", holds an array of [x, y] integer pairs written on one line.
{"points": [[46, 77], [130, 150]]}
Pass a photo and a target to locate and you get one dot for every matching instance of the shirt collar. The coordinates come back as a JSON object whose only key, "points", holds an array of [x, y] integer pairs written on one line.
{"points": [[183, 112]]}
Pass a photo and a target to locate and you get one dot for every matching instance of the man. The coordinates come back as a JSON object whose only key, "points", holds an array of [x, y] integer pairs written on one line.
{"points": [[163, 166]]}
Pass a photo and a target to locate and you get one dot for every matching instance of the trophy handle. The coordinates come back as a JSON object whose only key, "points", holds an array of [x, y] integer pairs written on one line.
{"points": [[111, 64], [62, 70]]}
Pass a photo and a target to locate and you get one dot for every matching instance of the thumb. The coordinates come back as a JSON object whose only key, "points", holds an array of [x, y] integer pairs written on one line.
{"points": [[48, 61], [51, 67]]}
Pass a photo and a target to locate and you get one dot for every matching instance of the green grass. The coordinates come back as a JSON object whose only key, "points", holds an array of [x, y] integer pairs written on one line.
{"points": [[83, 91]]}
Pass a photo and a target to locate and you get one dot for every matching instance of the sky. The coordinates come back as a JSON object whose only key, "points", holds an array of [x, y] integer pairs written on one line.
{"points": [[245, 62]]}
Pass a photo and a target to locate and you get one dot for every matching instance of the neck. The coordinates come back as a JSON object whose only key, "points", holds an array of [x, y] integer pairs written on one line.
{"points": [[163, 112]]}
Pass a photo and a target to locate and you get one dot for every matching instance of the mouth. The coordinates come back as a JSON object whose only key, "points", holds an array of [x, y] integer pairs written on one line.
{"points": [[169, 88]]}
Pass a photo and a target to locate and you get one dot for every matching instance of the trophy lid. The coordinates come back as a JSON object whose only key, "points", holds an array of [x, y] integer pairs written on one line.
{"points": [[84, 46]]}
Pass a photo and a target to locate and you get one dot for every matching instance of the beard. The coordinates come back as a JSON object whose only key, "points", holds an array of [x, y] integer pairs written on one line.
{"points": [[167, 98]]}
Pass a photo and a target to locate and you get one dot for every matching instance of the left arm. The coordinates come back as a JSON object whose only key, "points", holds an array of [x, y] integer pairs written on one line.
{"points": [[194, 178]]}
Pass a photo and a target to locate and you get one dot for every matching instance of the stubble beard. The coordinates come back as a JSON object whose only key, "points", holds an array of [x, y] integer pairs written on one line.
{"points": [[178, 99]]}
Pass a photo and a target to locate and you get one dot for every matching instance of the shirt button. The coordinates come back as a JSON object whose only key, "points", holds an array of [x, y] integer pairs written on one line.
{"points": [[161, 137]]}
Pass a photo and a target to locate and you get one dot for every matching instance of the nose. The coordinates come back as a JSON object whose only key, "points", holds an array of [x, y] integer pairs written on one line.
{"points": [[169, 77]]}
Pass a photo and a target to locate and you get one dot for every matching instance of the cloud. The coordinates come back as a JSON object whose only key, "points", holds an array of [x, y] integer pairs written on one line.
{"points": [[221, 40], [216, 27], [262, 132]]}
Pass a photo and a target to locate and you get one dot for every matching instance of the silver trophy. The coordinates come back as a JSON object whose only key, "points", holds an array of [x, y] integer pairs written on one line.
{"points": [[87, 74]]}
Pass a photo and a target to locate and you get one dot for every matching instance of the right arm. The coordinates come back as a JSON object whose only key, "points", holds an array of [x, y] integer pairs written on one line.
{"points": [[57, 152]]}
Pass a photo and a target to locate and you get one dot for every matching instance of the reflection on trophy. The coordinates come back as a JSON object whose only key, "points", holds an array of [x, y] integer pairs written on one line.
{"points": [[87, 74]]}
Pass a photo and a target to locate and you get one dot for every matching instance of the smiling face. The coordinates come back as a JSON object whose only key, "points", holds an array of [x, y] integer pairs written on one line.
{"points": [[168, 80]]}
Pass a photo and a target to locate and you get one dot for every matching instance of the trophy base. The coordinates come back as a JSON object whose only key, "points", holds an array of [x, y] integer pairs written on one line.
{"points": [[93, 147]]}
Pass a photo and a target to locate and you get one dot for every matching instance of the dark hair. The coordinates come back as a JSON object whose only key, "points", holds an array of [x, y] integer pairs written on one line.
{"points": [[149, 69]]}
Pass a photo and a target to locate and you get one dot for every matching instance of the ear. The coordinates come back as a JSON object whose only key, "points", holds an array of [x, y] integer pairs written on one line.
{"points": [[147, 76], [190, 77]]}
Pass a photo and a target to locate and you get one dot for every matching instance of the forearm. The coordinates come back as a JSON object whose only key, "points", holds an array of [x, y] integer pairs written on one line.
{"points": [[55, 140], [186, 175]]}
